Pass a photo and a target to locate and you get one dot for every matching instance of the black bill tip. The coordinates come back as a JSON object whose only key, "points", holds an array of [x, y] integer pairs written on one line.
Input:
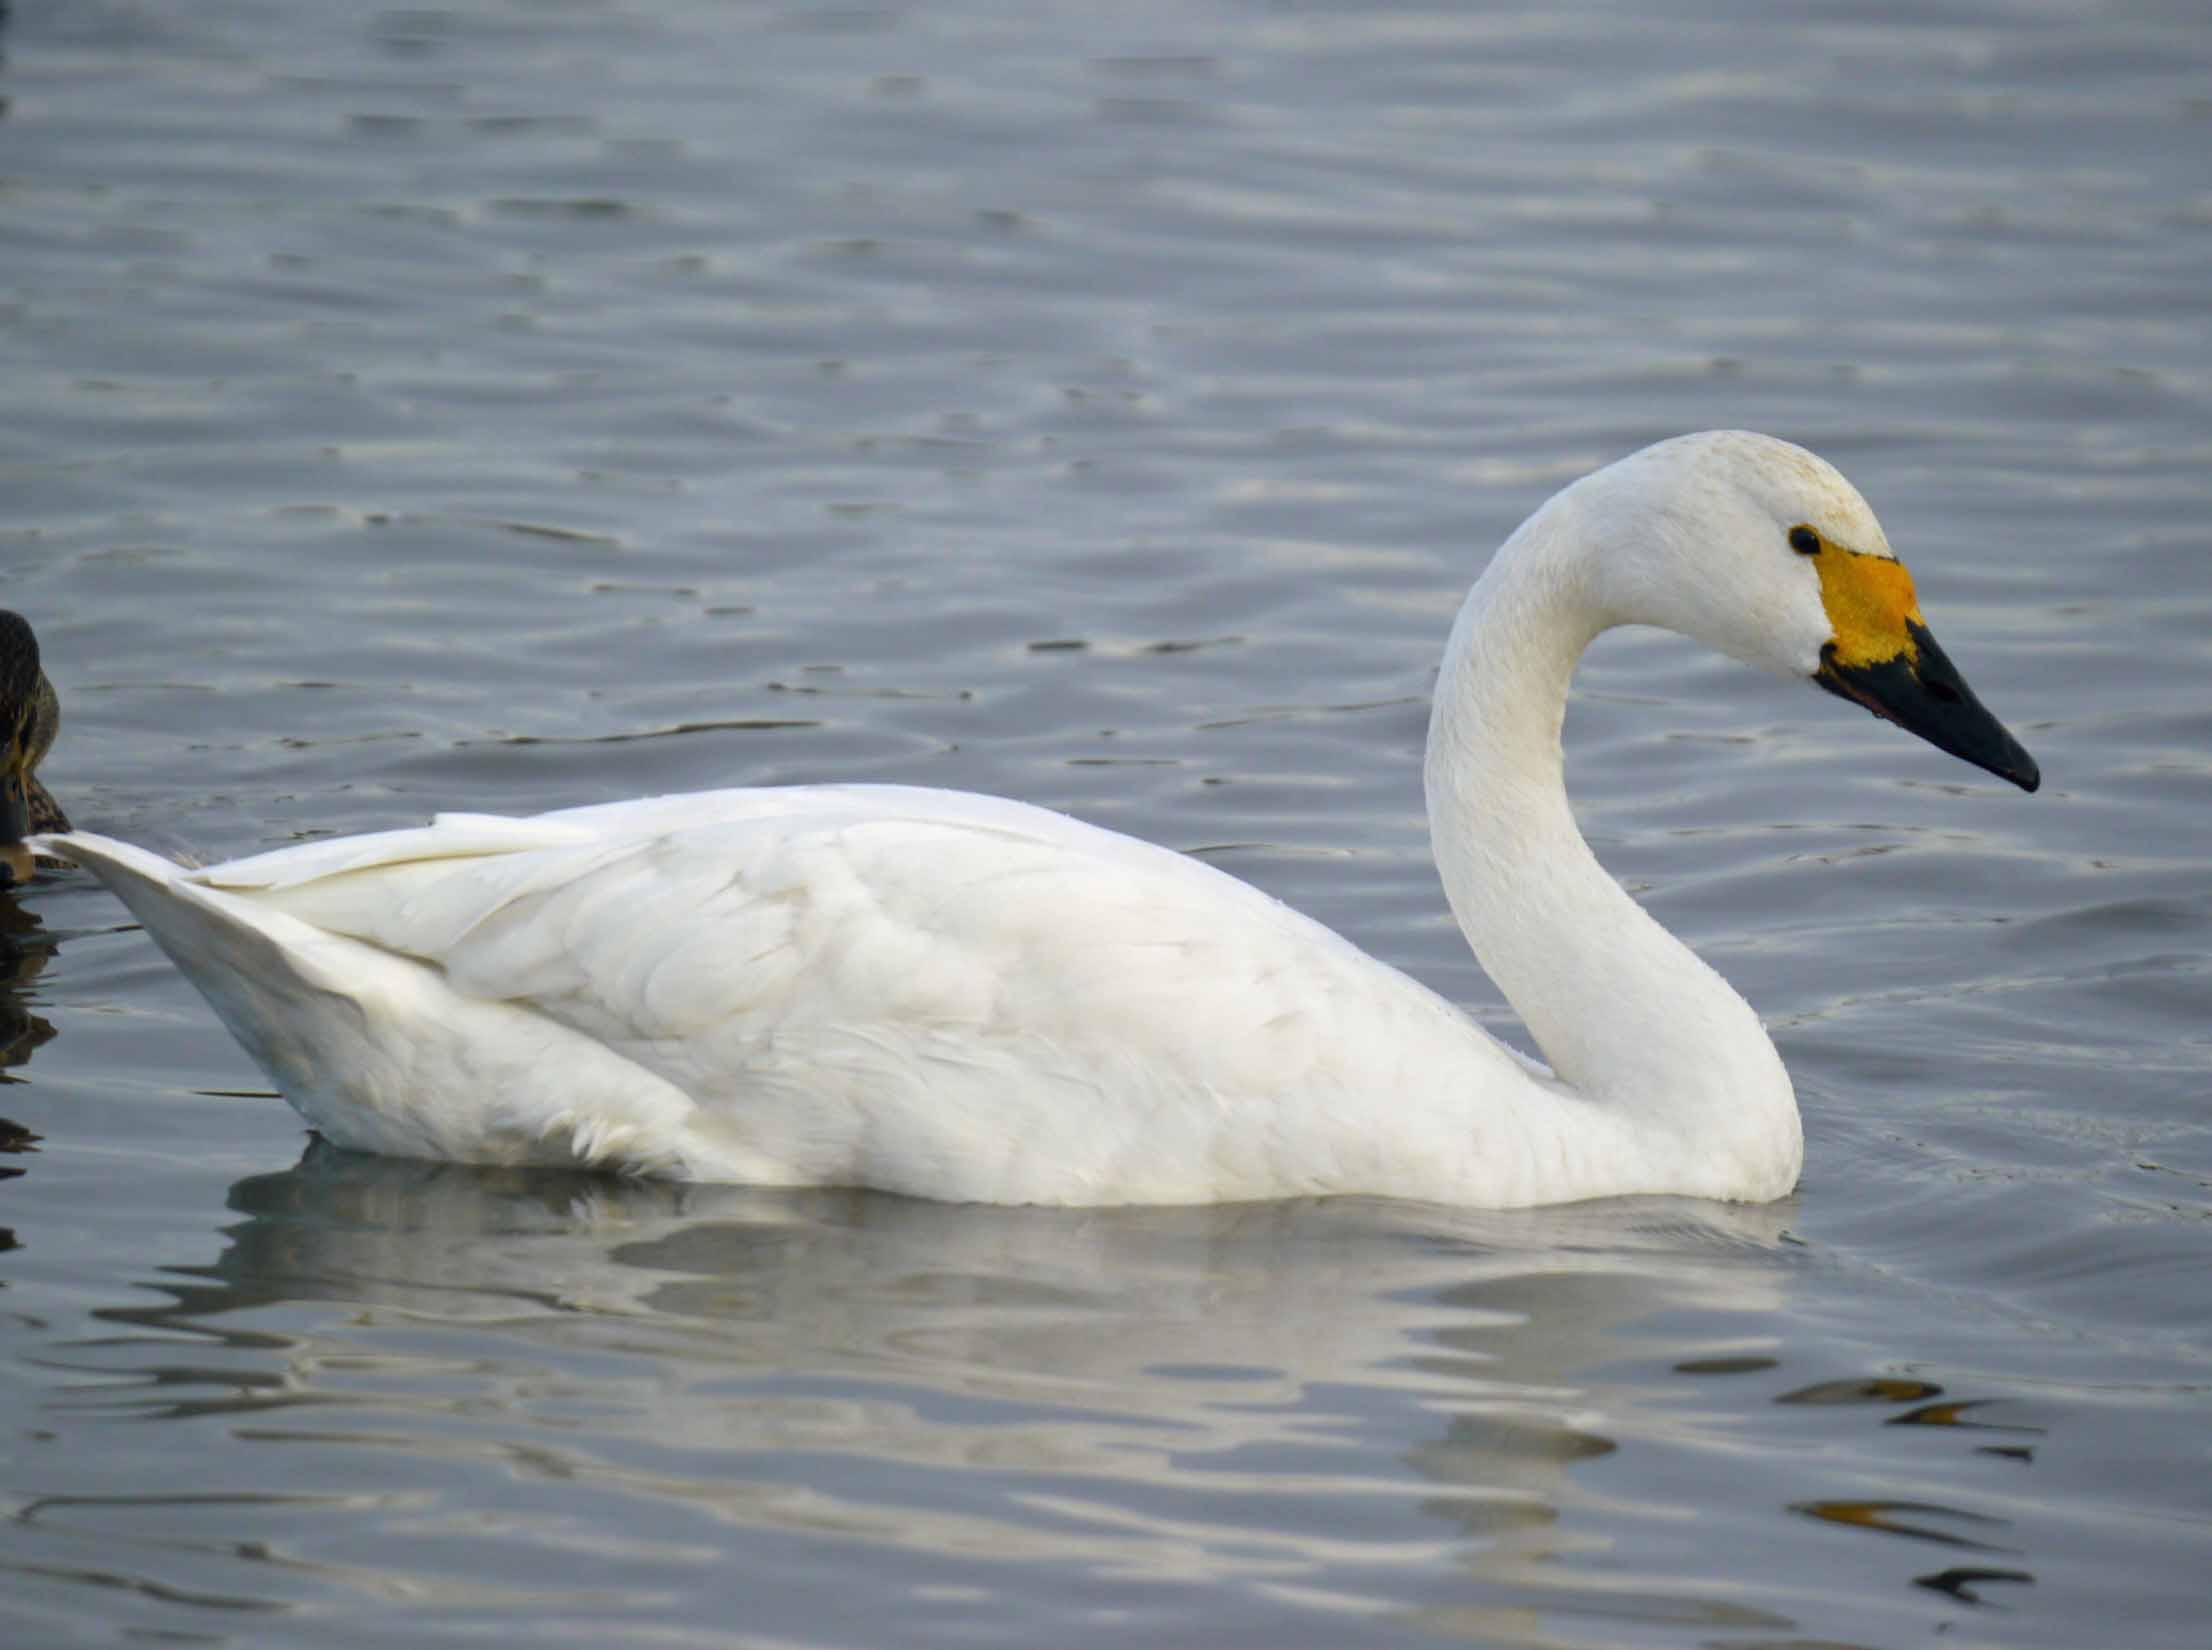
{"points": [[1923, 693]]}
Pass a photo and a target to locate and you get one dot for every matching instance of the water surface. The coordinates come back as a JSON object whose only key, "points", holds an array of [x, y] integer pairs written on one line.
{"points": [[532, 402]]}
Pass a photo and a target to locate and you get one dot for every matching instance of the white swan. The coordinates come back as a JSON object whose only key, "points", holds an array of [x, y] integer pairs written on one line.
{"points": [[961, 997]]}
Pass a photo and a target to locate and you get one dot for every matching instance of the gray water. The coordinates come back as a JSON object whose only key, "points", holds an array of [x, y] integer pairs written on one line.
{"points": [[532, 402]]}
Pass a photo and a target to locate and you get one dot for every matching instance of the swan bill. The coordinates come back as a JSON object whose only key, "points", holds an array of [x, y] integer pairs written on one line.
{"points": [[1920, 690]]}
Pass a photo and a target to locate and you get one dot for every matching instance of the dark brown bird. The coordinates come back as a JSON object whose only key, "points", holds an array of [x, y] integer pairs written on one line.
{"points": [[30, 716]]}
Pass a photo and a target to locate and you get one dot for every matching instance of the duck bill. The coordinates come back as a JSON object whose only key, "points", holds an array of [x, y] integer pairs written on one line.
{"points": [[1922, 692], [15, 825]]}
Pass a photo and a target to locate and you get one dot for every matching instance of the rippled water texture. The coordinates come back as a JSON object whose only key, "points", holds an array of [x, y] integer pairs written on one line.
{"points": [[532, 402]]}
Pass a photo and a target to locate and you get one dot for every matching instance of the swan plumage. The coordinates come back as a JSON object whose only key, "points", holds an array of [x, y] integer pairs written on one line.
{"points": [[964, 997]]}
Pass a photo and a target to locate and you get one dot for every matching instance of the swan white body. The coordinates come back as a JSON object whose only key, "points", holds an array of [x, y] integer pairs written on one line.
{"points": [[961, 997]]}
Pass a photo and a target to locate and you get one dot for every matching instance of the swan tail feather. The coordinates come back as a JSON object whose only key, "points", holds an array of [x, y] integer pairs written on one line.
{"points": [[377, 1049]]}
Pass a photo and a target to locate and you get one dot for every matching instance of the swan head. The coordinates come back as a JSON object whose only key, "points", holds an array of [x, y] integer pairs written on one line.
{"points": [[1765, 552]]}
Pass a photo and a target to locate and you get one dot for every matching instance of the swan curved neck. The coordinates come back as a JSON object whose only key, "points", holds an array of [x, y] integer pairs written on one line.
{"points": [[1624, 1012]]}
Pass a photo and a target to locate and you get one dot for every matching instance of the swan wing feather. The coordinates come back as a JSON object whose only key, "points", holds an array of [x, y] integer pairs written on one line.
{"points": [[947, 994]]}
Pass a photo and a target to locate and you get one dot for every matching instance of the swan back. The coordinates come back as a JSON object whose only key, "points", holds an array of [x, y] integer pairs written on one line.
{"points": [[947, 995]]}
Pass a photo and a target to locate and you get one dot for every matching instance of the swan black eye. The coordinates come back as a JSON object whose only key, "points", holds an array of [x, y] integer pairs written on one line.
{"points": [[1805, 541]]}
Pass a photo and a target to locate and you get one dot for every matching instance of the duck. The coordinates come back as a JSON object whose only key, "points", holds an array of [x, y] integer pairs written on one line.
{"points": [[969, 998], [30, 717]]}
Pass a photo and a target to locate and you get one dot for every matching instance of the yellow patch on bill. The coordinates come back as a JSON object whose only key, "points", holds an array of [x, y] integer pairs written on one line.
{"points": [[1868, 599]]}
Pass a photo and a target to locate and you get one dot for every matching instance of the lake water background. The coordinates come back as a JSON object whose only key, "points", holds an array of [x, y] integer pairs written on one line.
{"points": [[531, 402]]}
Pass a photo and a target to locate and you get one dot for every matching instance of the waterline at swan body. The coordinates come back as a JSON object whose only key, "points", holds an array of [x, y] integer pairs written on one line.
{"points": [[962, 997]]}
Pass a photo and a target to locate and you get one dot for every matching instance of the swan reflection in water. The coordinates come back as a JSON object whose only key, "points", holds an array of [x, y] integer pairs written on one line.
{"points": [[1072, 1387], [1434, 1414]]}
